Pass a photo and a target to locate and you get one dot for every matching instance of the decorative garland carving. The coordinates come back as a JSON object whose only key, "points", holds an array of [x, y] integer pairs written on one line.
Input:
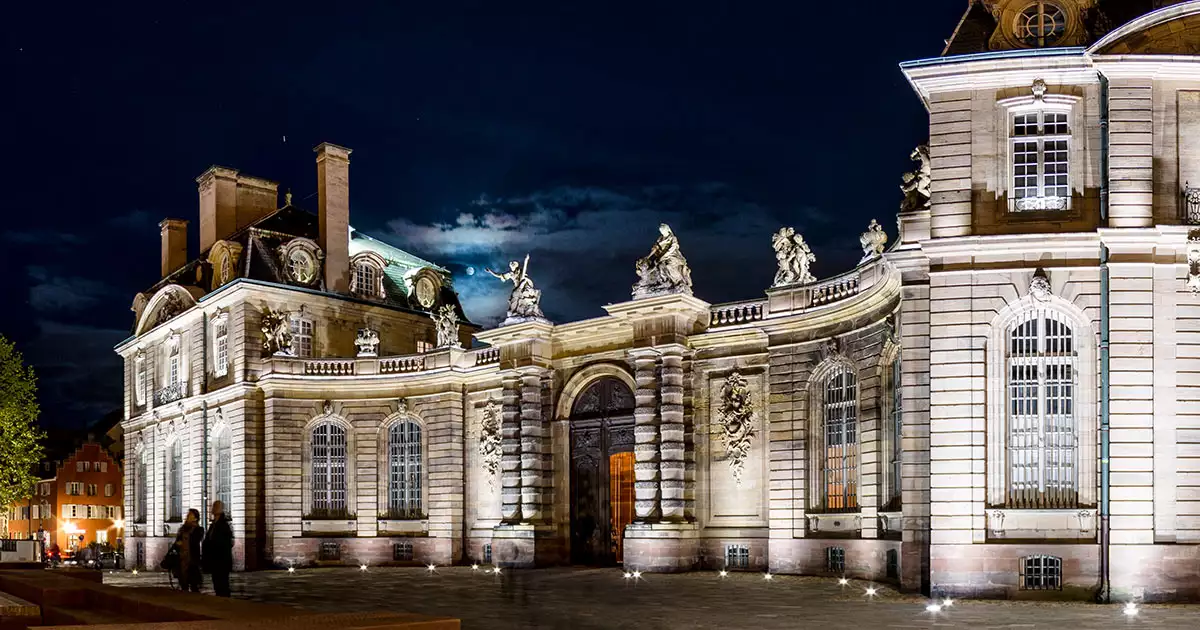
{"points": [[737, 422], [489, 440]]}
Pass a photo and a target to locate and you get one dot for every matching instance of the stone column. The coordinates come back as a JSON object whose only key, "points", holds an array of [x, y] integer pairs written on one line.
{"points": [[534, 431], [671, 435], [647, 495], [510, 449]]}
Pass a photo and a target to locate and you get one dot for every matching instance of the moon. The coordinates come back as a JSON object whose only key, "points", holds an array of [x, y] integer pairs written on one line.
{"points": [[470, 271]]}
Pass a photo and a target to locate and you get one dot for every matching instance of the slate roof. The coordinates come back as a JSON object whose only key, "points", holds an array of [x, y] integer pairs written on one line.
{"points": [[975, 29]]}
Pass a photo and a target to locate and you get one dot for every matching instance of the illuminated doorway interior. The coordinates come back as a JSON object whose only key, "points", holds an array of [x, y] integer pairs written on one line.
{"points": [[620, 498], [601, 472]]}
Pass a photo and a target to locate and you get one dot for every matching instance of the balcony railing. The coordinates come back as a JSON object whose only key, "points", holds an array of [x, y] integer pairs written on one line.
{"points": [[329, 367], [170, 393], [401, 365], [833, 290], [737, 313], [484, 356]]}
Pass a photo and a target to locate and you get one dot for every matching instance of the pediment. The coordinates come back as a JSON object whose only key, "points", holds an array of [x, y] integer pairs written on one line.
{"points": [[1174, 30]]}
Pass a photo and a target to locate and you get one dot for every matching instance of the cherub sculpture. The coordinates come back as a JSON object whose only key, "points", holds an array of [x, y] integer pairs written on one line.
{"points": [[794, 258], [277, 332]]}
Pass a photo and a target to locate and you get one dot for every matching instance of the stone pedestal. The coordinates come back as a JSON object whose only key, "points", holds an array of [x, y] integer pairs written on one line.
{"points": [[661, 547], [525, 546]]}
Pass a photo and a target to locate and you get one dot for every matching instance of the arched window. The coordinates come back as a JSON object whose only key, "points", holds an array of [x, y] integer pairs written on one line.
{"points": [[1042, 432], [839, 431], [404, 470], [328, 471], [139, 487], [894, 431], [224, 468], [175, 483]]}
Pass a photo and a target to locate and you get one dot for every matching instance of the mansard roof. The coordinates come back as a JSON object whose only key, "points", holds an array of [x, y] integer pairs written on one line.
{"points": [[977, 30]]}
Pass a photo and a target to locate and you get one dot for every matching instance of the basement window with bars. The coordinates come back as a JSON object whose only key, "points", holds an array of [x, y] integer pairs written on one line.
{"points": [[487, 553], [402, 551], [835, 560], [1042, 428], [1041, 573], [892, 561], [330, 551], [737, 557]]}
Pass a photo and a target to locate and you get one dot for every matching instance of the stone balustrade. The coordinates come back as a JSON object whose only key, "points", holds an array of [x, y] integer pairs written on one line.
{"points": [[835, 289], [329, 367], [737, 313], [453, 358], [401, 365], [485, 356]]}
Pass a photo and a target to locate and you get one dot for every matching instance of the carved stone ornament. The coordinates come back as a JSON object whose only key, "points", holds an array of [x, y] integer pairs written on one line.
{"points": [[664, 270], [277, 332], [916, 184], [327, 407], [737, 422], [489, 440], [445, 320], [1193, 260], [172, 305], [367, 342], [794, 258], [873, 241], [402, 406], [1039, 286], [831, 347], [524, 303], [1038, 88]]}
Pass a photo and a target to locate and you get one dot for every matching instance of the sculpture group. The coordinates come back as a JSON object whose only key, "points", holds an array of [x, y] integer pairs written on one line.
{"points": [[524, 302], [794, 258], [277, 332], [664, 270]]}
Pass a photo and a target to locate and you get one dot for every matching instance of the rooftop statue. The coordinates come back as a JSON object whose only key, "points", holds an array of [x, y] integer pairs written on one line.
{"points": [[445, 320], [794, 257], [872, 241], [524, 303], [915, 184], [664, 270]]}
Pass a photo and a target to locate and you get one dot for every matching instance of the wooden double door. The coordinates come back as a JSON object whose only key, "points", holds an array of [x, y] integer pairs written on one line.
{"points": [[601, 472]]}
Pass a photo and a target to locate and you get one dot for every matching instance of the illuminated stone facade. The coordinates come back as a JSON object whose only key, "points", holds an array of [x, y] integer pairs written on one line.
{"points": [[932, 417]]}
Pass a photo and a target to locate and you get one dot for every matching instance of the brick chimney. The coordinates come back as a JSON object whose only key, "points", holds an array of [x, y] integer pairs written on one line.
{"points": [[218, 205], [333, 192], [174, 244]]}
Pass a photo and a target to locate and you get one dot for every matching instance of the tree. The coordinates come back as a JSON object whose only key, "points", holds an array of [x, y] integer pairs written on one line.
{"points": [[20, 438]]}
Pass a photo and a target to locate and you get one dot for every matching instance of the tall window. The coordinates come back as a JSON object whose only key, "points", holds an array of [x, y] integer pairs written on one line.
{"points": [[224, 468], [1040, 160], [175, 483], [840, 470], [221, 345], [328, 470], [897, 431], [174, 365], [1042, 429], [302, 337], [139, 488], [404, 470], [366, 279], [141, 379]]}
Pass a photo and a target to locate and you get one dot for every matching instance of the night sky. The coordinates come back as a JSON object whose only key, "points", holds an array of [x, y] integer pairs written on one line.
{"points": [[481, 132]]}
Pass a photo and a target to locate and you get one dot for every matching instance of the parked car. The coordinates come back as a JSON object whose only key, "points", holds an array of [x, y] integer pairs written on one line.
{"points": [[111, 560]]}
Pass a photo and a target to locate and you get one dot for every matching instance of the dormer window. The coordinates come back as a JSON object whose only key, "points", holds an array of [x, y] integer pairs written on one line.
{"points": [[366, 278], [301, 260], [1040, 24], [1040, 141], [302, 266]]}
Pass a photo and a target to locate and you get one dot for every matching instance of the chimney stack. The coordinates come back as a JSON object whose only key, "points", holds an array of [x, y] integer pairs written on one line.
{"points": [[218, 205], [333, 192], [174, 244]]}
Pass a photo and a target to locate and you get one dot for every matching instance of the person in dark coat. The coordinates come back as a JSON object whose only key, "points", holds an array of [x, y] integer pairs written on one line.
{"points": [[188, 541], [218, 550]]}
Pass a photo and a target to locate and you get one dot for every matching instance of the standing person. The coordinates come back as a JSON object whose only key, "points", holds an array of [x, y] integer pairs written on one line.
{"points": [[218, 549], [188, 542]]}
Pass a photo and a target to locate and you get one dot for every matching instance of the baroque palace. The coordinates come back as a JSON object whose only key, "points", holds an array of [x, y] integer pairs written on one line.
{"points": [[1003, 398]]}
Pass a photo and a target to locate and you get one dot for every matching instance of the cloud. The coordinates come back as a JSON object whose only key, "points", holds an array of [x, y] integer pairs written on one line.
{"points": [[52, 293], [583, 242], [41, 238], [79, 375]]}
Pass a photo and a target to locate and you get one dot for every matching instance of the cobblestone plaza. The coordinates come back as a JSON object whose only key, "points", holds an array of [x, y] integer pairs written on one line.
{"points": [[583, 599]]}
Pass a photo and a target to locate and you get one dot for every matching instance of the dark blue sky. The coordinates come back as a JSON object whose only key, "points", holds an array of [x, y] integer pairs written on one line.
{"points": [[481, 132]]}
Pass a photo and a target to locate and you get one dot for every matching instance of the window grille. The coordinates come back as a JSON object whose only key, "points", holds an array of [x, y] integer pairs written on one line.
{"points": [[1041, 573], [841, 441], [1042, 429], [892, 561], [139, 491], [1191, 205], [328, 471], [330, 551], [224, 468], [404, 470], [835, 560], [1040, 160], [737, 557], [366, 279], [175, 483], [402, 551], [487, 553], [302, 337]]}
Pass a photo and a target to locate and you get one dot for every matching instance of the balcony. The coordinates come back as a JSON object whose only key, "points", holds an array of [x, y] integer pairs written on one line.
{"points": [[170, 393], [457, 359]]}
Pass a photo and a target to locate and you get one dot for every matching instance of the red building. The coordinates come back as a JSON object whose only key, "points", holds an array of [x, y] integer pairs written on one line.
{"points": [[78, 505]]}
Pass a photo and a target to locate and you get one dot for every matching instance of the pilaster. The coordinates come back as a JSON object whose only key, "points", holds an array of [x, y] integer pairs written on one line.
{"points": [[671, 467], [534, 433], [510, 449]]}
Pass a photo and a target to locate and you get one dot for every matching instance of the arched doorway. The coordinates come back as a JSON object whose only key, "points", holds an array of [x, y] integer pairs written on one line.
{"points": [[601, 471]]}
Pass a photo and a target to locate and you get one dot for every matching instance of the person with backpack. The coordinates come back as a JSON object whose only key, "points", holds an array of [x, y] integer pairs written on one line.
{"points": [[218, 549]]}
